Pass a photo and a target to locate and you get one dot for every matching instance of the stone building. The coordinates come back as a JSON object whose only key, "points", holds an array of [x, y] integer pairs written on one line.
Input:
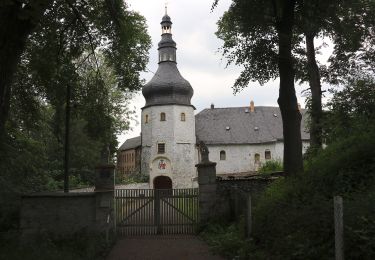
{"points": [[168, 123], [129, 156], [239, 139]]}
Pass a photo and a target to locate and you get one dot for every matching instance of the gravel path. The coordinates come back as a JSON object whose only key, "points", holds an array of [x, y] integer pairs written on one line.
{"points": [[162, 247], [134, 186], [143, 185]]}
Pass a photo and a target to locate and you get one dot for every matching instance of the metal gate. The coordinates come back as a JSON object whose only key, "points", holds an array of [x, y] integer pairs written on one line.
{"points": [[149, 211]]}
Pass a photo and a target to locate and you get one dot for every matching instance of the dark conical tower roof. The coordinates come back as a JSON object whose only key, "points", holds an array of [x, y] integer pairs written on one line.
{"points": [[167, 87]]}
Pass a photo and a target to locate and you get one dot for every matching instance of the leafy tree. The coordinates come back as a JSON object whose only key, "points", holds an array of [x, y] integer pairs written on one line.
{"points": [[314, 18], [354, 40], [18, 20], [349, 24], [352, 108], [98, 48], [259, 36], [100, 112], [58, 32]]}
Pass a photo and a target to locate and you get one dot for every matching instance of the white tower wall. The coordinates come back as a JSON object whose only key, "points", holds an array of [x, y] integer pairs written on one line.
{"points": [[179, 139]]}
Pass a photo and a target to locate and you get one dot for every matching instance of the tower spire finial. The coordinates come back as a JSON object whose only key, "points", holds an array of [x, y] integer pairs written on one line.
{"points": [[166, 7]]}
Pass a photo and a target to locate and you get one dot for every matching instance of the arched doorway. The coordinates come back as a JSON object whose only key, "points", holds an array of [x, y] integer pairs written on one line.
{"points": [[162, 182]]}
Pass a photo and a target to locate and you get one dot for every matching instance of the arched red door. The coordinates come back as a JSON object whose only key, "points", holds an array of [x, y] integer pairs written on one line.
{"points": [[162, 182]]}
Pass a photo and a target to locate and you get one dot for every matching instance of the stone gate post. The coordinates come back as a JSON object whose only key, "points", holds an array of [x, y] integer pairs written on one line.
{"points": [[207, 185], [104, 194]]}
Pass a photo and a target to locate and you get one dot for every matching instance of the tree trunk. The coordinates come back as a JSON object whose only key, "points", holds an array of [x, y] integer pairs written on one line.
{"points": [[316, 98], [287, 95], [17, 23]]}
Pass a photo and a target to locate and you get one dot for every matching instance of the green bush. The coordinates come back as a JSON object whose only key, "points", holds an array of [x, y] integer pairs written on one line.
{"points": [[229, 241], [271, 166], [294, 217], [359, 220], [132, 178]]}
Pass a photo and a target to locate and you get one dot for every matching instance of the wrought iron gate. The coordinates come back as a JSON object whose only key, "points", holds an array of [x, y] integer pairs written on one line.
{"points": [[149, 211]]}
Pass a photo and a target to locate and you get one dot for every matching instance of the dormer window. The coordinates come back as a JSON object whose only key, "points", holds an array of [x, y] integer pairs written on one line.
{"points": [[162, 116]]}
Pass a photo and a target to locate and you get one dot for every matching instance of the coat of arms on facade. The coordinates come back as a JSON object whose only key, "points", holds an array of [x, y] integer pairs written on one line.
{"points": [[162, 165]]}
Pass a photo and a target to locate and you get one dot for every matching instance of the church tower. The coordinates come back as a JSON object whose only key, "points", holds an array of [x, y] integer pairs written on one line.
{"points": [[168, 123]]}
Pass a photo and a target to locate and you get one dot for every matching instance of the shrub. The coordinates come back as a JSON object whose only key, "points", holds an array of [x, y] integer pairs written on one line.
{"points": [[294, 217], [271, 166], [229, 241], [132, 178]]}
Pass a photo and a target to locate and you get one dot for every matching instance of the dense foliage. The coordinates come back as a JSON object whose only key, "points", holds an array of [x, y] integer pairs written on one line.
{"points": [[96, 47], [230, 241], [294, 217], [271, 166], [250, 31], [259, 36]]}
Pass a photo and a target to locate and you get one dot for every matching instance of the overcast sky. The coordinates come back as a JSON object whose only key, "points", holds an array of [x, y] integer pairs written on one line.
{"points": [[198, 58]]}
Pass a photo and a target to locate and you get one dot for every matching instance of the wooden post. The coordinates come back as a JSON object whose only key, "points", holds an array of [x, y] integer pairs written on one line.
{"points": [[236, 205], [67, 145], [339, 227], [157, 211], [248, 215]]}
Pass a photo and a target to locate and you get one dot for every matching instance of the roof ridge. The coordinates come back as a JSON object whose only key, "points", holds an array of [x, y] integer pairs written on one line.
{"points": [[238, 107]]}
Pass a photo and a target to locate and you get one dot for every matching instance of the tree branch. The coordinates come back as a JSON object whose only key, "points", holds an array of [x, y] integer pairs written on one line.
{"points": [[113, 12], [79, 17]]}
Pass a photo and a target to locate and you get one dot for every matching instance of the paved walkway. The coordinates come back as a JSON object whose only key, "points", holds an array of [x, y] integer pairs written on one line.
{"points": [[161, 247]]}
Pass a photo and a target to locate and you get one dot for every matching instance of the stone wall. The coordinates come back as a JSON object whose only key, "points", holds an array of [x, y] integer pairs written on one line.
{"points": [[128, 161], [226, 199], [231, 195], [179, 139], [241, 157], [57, 212], [254, 186], [66, 213]]}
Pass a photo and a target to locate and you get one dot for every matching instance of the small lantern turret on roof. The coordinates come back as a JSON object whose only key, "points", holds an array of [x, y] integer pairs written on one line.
{"points": [[167, 86]]}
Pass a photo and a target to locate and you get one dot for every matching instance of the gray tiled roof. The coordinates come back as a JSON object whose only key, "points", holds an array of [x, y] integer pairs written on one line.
{"points": [[167, 87], [131, 143], [211, 124]]}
